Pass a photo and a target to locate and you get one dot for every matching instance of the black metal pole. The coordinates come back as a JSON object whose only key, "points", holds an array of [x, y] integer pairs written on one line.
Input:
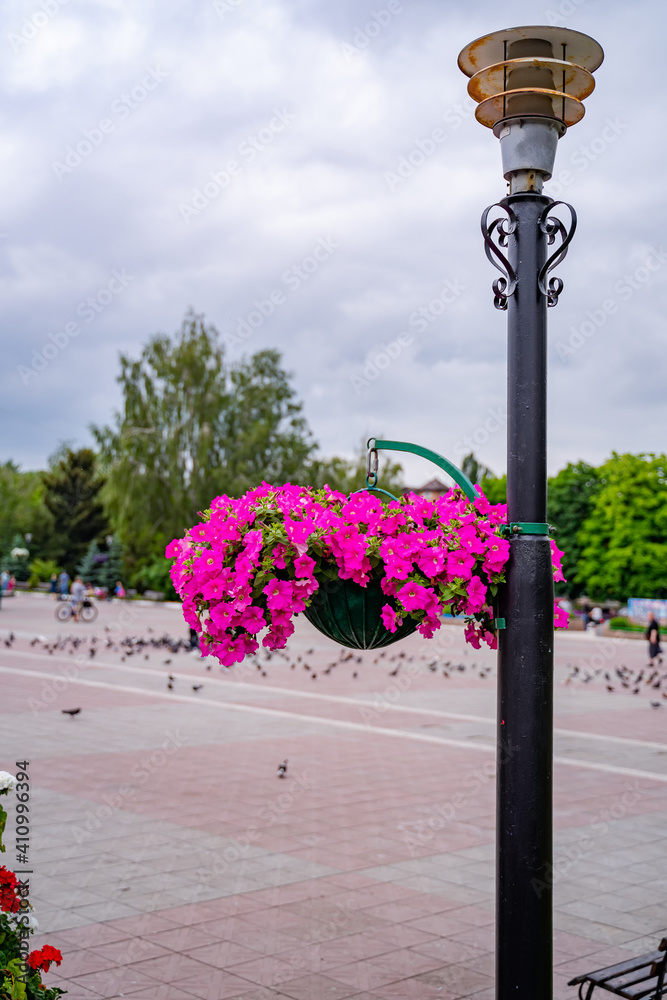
{"points": [[524, 951]]}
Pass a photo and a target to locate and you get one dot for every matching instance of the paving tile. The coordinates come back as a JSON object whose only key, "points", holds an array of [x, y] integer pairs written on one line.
{"points": [[331, 890], [216, 983], [317, 988]]}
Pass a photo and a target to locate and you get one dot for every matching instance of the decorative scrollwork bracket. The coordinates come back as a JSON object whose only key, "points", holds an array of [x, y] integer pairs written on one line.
{"points": [[553, 227], [496, 235]]}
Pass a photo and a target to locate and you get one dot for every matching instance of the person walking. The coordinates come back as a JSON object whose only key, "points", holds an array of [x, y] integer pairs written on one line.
{"points": [[53, 586], [653, 637], [77, 595], [63, 584]]}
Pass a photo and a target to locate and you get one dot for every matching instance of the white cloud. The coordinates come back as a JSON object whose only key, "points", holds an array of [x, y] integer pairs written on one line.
{"points": [[324, 174]]}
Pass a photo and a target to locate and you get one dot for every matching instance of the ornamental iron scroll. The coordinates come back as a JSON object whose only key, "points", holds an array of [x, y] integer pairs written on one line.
{"points": [[553, 227], [500, 229]]}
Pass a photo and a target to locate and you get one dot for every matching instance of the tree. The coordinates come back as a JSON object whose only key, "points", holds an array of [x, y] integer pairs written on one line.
{"points": [[112, 569], [72, 494], [348, 475], [474, 470], [17, 560], [193, 426], [624, 538], [90, 567], [41, 571], [571, 495], [494, 488], [22, 509]]}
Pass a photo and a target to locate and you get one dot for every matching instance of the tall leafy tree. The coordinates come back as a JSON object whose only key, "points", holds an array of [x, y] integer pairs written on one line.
{"points": [[192, 426], [624, 538], [22, 509], [475, 470], [72, 495], [494, 488], [571, 496], [349, 475]]}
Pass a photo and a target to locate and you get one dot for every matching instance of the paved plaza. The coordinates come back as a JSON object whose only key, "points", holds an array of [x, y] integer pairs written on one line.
{"points": [[170, 861]]}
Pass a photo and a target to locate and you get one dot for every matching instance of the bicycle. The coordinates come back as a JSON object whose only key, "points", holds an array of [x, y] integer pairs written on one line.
{"points": [[87, 612]]}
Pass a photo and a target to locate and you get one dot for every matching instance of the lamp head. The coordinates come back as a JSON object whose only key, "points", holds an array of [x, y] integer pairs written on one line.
{"points": [[529, 84]]}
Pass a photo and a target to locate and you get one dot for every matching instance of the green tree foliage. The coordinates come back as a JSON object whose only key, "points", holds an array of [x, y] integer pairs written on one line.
{"points": [[41, 571], [624, 538], [475, 470], [90, 567], [22, 509], [494, 488], [571, 495], [17, 559], [193, 426], [349, 475], [72, 495], [112, 569]]}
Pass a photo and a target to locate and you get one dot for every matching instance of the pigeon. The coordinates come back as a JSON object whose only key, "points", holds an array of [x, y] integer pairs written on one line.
{"points": [[282, 769], [70, 711], [171, 677], [656, 704], [197, 687], [170, 686]]}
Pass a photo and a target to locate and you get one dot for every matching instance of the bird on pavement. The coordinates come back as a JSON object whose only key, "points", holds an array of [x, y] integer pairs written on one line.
{"points": [[70, 711], [282, 769], [197, 687]]}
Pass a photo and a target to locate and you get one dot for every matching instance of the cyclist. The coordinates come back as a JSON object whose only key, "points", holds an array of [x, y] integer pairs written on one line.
{"points": [[77, 595]]}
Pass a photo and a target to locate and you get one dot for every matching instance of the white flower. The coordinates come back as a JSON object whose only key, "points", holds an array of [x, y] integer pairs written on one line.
{"points": [[7, 782], [23, 920]]}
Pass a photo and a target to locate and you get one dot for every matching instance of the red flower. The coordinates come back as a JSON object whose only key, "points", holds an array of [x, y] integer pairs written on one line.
{"points": [[42, 959], [9, 901]]}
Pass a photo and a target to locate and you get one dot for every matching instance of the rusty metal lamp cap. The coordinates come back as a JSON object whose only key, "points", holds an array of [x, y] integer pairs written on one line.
{"points": [[530, 83]]}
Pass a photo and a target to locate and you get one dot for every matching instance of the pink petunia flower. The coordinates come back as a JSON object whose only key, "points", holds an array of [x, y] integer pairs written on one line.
{"points": [[390, 618], [476, 595], [460, 564]]}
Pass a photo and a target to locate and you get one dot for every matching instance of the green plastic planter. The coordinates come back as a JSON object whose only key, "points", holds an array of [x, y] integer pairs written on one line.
{"points": [[352, 615]]}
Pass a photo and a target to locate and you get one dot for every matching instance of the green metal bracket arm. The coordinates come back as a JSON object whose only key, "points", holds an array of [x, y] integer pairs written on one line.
{"points": [[527, 528], [443, 463]]}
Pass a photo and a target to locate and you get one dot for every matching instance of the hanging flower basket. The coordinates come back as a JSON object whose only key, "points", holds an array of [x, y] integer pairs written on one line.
{"points": [[352, 615], [364, 572]]}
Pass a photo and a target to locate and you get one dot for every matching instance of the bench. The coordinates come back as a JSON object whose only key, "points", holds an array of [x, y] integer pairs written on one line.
{"points": [[641, 978]]}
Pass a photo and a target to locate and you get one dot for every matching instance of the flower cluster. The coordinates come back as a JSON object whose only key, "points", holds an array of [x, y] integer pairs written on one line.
{"points": [[43, 958], [7, 782], [9, 901], [254, 562]]}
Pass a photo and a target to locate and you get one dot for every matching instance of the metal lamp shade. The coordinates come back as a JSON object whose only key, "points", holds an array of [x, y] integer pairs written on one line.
{"points": [[352, 615]]}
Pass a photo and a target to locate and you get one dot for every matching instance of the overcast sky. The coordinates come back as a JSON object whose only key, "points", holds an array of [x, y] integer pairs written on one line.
{"points": [[242, 157]]}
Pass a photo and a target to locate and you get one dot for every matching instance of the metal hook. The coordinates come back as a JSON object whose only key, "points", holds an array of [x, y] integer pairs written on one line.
{"points": [[372, 466]]}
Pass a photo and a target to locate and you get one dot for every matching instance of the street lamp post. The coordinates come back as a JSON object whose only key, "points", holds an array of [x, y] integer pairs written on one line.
{"points": [[529, 83]]}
